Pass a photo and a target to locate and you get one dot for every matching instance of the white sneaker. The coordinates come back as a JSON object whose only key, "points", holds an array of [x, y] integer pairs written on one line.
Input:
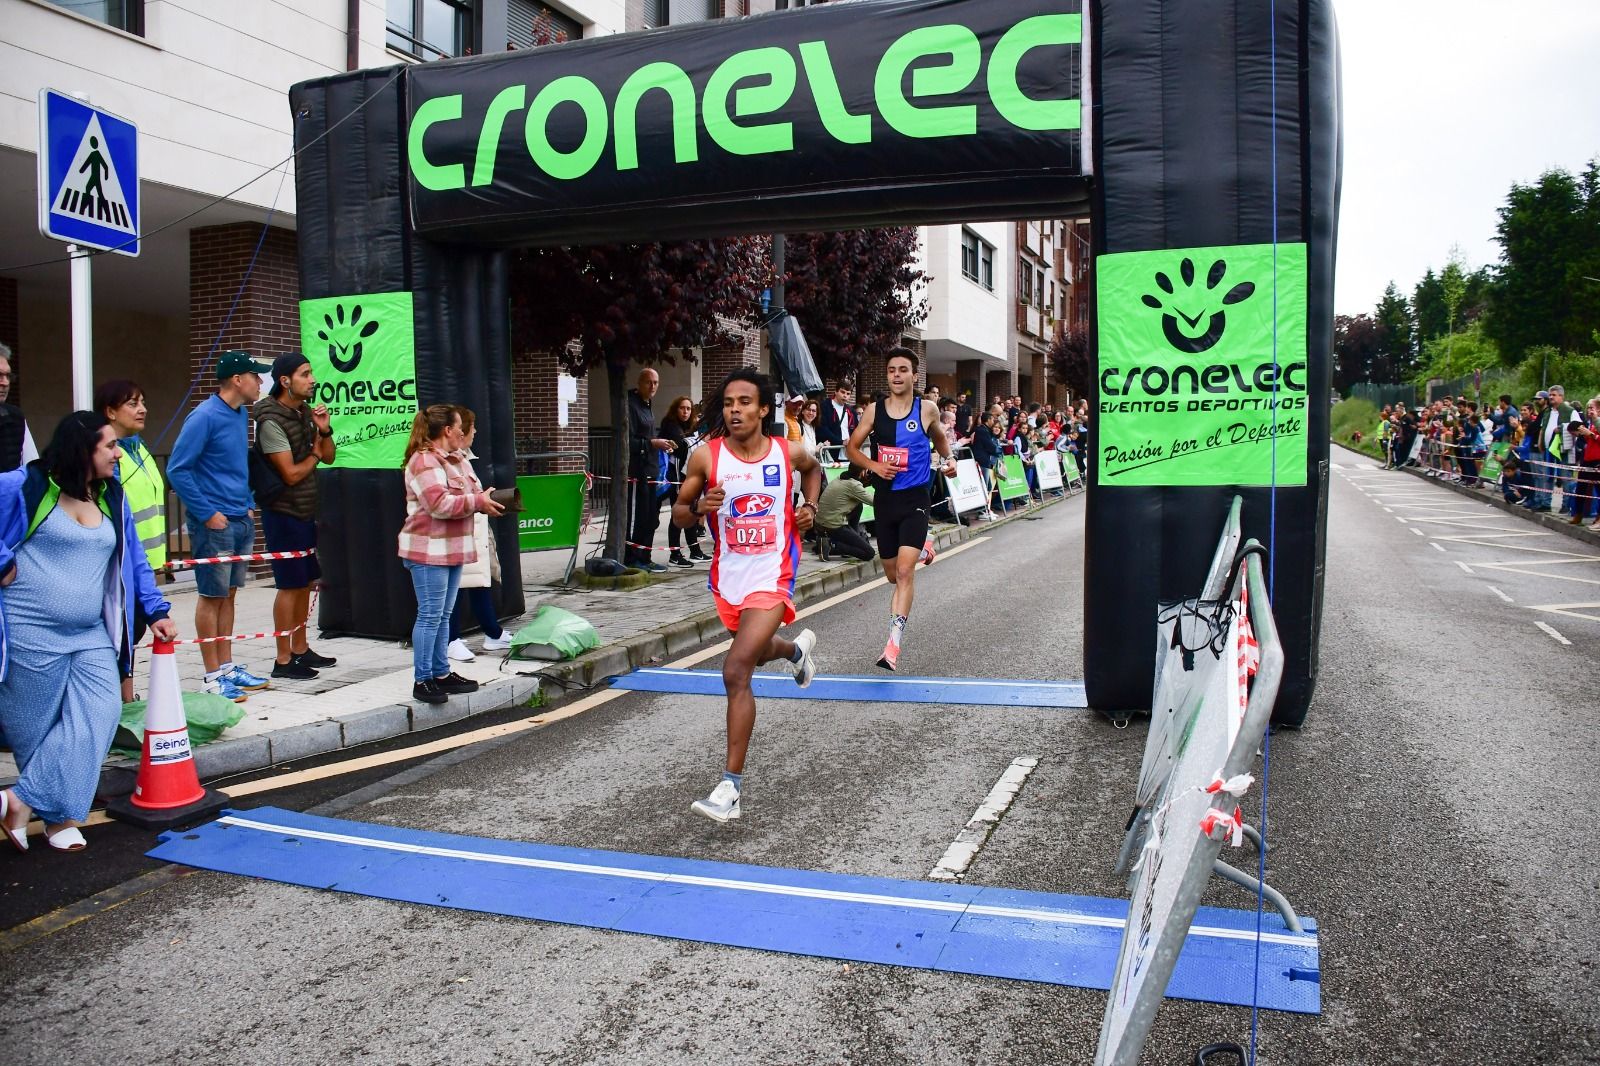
{"points": [[722, 805], [806, 668], [459, 651], [500, 643]]}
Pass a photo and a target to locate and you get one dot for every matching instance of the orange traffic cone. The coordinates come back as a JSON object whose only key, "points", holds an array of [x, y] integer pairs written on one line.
{"points": [[168, 790]]}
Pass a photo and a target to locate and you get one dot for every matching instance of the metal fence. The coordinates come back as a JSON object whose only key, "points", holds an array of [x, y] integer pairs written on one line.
{"points": [[1378, 395]]}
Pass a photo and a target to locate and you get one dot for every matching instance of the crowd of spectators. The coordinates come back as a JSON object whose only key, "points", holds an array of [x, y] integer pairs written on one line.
{"points": [[659, 449], [1545, 448]]}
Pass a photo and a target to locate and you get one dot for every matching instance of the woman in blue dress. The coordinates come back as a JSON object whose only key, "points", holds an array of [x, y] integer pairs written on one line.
{"points": [[65, 534]]}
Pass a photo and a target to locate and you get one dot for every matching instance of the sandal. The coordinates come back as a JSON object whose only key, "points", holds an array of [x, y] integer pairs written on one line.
{"points": [[68, 839], [18, 837]]}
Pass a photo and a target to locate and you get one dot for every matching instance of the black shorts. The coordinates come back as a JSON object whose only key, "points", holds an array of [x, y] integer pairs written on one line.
{"points": [[285, 533], [900, 519]]}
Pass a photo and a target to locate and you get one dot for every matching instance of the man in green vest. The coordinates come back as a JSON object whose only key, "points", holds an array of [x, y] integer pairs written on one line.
{"points": [[122, 402], [294, 438]]}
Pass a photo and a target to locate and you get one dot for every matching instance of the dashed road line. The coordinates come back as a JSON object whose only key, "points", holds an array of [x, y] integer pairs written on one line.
{"points": [[960, 854], [1436, 546], [1461, 564], [1550, 631], [1502, 595]]}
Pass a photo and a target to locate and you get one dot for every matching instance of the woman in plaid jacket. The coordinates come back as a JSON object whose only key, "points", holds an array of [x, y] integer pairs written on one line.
{"points": [[436, 540]]}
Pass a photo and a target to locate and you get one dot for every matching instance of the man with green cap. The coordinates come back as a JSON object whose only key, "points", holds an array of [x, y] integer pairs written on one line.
{"points": [[210, 472]]}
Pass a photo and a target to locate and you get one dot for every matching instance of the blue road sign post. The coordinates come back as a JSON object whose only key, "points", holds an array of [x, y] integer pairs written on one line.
{"points": [[88, 197]]}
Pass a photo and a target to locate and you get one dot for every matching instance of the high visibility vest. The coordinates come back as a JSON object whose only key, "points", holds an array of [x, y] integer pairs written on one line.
{"points": [[147, 498]]}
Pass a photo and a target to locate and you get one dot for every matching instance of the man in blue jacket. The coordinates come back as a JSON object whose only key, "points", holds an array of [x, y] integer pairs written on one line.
{"points": [[210, 472]]}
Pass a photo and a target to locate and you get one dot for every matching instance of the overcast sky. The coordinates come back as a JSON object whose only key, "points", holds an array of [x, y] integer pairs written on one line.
{"points": [[1446, 104]]}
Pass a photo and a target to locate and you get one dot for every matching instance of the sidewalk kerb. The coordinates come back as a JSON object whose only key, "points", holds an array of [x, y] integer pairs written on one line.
{"points": [[232, 755], [302, 741], [377, 723]]}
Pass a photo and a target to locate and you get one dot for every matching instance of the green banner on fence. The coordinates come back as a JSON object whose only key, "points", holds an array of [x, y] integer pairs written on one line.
{"points": [[1203, 366], [552, 510], [1493, 463], [363, 354], [1013, 479]]}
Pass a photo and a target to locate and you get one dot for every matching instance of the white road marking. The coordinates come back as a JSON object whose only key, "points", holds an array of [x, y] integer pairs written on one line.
{"points": [[1415, 530], [1436, 546], [1569, 609], [1502, 595], [1388, 510], [1551, 631], [1459, 563], [964, 849]]}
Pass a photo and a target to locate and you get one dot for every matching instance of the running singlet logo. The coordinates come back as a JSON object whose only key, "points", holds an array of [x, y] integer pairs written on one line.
{"points": [[751, 525]]}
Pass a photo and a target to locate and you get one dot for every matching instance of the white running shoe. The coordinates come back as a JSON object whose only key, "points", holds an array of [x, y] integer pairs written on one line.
{"points": [[722, 805], [459, 651], [500, 643], [806, 668]]}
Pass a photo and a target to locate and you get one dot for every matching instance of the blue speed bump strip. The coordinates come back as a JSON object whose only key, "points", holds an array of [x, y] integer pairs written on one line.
{"points": [[957, 928], [968, 691]]}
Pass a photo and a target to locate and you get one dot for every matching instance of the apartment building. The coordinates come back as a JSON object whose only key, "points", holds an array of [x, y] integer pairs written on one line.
{"points": [[207, 82]]}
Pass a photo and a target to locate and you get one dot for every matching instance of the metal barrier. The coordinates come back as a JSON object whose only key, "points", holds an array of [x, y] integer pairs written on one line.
{"points": [[553, 502], [1196, 800]]}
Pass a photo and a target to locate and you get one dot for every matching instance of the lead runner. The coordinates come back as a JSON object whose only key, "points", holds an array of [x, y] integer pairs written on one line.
{"points": [[744, 480]]}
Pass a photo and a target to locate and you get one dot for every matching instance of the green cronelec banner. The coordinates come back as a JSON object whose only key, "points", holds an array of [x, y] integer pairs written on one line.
{"points": [[363, 354], [1198, 384]]}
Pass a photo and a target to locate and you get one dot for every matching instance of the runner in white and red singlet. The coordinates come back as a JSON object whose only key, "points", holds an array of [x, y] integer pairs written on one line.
{"points": [[744, 481]]}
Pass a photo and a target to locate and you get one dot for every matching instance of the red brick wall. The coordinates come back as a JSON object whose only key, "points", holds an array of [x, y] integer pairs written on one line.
{"points": [[266, 322], [536, 412], [10, 329], [998, 384], [718, 363], [872, 381]]}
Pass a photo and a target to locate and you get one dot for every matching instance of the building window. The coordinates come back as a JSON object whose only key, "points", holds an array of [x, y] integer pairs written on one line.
{"points": [[1025, 282], [432, 29], [530, 23], [1038, 289], [678, 12], [126, 15], [977, 259]]}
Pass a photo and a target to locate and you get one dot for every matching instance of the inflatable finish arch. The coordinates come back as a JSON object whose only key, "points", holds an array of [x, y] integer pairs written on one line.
{"points": [[413, 180]]}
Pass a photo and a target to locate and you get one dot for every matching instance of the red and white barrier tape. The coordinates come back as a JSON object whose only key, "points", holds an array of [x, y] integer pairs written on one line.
{"points": [[310, 612], [1232, 824], [256, 557]]}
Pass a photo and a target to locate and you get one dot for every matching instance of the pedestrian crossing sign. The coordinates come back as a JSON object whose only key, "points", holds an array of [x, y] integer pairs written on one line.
{"points": [[88, 175]]}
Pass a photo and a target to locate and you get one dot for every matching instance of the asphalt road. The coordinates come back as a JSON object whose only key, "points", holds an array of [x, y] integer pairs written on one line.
{"points": [[1433, 816]]}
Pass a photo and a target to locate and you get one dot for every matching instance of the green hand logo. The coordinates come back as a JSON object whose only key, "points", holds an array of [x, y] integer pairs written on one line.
{"points": [[345, 338], [1192, 317]]}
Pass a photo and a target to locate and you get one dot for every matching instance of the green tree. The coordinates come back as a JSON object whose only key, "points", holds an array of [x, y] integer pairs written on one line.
{"points": [[1432, 315], [1396, 360], [854, 294], [1456, 355], [1358, 343], [1549, 237]]}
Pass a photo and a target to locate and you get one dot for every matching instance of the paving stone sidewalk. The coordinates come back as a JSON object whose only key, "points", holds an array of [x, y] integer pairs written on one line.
{"points": [[367, 696]]}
